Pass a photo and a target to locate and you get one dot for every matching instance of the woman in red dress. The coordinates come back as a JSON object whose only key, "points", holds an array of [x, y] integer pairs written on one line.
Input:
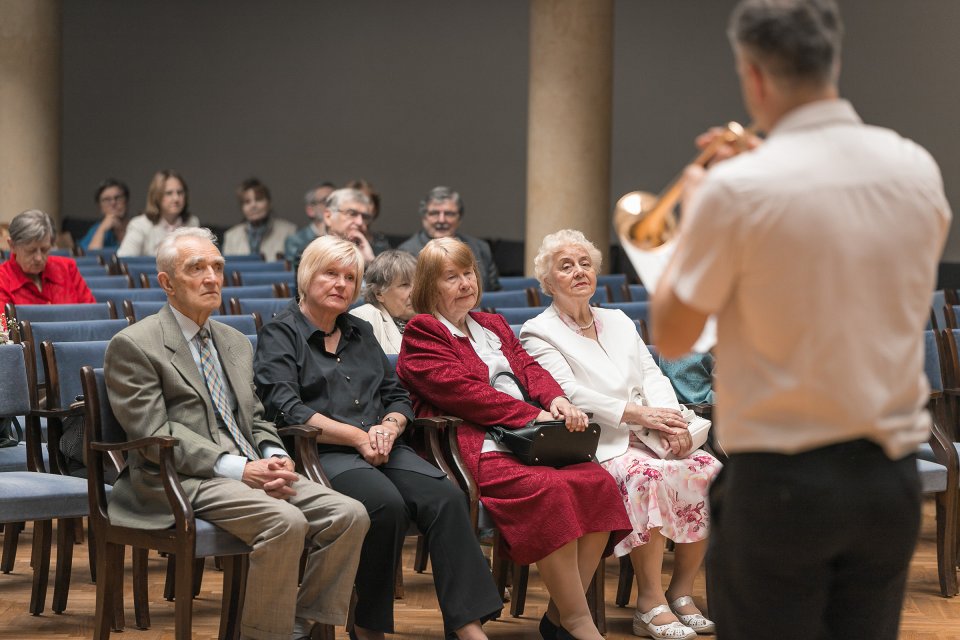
{"points": [[560, 519]]}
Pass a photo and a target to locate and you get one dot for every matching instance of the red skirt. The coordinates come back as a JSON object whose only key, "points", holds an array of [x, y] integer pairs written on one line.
{"points": [[539, 509]]}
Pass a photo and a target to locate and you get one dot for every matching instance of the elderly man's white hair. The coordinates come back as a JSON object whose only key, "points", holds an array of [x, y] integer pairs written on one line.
{"points": [[167, 249]]}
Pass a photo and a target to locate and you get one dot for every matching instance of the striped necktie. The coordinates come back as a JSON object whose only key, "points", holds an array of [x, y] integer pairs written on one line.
{"points": [[215, 387]]}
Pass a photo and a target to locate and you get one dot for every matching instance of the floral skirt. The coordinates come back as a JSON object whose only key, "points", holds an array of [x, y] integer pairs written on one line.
{"points": [[669, 494]]}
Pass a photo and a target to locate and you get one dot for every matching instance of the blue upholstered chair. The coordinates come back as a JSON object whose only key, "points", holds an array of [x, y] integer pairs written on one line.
{"points": [[517, 283], [57, 312], [34, 495], [248, 324], [253, 278], [266, 308], [519, 315], [635, 293], [496, 299], [80, 331], [117, 296], [108, 282]]}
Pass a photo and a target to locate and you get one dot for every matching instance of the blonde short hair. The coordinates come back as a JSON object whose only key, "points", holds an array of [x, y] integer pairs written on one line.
{"points": [[325, 251], [426, 295], [555, 242]]}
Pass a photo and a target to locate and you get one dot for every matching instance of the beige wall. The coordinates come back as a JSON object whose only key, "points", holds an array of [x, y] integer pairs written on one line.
{"points": [[424, 92]]}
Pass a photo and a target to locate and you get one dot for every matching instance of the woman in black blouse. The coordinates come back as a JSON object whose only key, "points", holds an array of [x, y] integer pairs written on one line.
{"points": [[316, 364]]}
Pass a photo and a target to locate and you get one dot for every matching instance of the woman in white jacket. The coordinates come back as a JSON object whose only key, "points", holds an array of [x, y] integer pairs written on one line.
{"points": [[604, 367]]}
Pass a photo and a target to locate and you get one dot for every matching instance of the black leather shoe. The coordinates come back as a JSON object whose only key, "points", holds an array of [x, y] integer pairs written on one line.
{"points": [[548, 630]]}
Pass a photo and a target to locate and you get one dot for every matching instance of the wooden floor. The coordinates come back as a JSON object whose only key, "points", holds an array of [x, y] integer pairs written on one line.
{"points": [[926, 615]]}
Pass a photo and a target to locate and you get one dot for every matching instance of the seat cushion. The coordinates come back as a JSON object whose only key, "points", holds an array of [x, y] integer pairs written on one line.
{"points": [[933, 476], [214, 541], [27, 495], [15, 458]]}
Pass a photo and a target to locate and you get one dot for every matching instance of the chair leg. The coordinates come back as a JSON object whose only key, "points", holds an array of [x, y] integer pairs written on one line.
{"points": [[141, 600], [420, 561], [183, 596], [42, 534], [119, 618], [518, 601], [171, 579], [66, 532], [197, 576], [596, 598], [500, 567], [234, 587], [110, 556], [398, 580], [625, 584], [946, 535], [11, 535]]}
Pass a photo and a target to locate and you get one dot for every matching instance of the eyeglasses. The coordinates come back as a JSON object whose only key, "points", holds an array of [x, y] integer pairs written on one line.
{"points": [[436, 213], [113, 199], [353, 213]]}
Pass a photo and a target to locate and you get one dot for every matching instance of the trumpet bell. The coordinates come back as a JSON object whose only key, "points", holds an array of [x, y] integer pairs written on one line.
{"points": [[631, 219]]}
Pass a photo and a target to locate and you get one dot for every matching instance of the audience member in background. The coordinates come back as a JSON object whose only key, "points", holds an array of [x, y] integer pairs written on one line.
{"points": [[441, 214], [181, 373], [347, 215], [376, 239], [262, 232], [604, 367], [314, 201], [112, 196], [166, 210], [561, 519], [389, 283], [817, 252], [318, 365], [31, 275]]}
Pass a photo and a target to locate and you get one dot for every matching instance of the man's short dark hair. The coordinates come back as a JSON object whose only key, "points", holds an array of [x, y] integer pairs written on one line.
{"points": [[794, 39]]}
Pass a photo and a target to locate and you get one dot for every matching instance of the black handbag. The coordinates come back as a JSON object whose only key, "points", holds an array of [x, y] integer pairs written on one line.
{"points": [[547, 443]]}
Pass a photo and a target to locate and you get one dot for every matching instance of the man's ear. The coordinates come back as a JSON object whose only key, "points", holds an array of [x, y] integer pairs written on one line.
{"points": [[164, 279]]}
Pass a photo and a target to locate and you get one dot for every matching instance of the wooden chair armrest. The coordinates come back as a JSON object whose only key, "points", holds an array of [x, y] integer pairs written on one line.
{"points": [[164, 442], [433, 430], [305, 451], [450, 447]]}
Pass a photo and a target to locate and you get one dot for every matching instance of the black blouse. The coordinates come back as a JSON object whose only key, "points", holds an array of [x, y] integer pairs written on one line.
{"points": [[296, 377]]}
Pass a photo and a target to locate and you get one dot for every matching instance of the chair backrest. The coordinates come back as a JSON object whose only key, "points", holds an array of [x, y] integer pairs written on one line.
{"points": [[496, 299], [56, 312], [519, 315], [392, 359], [105, 255], [100, 425], [233, 258], [255, 267], [937, 303], [253, 340], [951, 313], [117, 296], [108, 282], [258, 291], [266, 307], [135, 271], [245, 324], [254, 278], [931, 360], [516, 328], [62, 362], [89, 270], [634, 310], [515, 283], [80, 331], [18, 392], [87, 261], [635, 293]]}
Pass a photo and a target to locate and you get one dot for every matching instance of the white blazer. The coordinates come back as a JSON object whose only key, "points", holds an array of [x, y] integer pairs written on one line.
{"points": [[384, 328], [600, 378]]}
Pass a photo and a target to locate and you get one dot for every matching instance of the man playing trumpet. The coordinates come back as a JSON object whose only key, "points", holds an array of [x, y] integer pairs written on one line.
{"points": [[817, 251]]}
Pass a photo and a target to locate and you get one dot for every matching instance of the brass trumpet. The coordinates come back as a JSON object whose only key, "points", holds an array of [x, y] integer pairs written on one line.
{"points": [[647, 220]]}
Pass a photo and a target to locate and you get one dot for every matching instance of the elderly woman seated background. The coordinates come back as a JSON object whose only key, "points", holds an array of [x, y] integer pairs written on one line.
{"points": [[31, 275], [261, 232], [316, 364], [389, 280], [559, 518], [598, 358]]}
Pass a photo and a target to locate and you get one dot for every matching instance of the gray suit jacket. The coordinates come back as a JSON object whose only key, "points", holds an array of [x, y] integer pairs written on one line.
{"points": [[155, 388]]}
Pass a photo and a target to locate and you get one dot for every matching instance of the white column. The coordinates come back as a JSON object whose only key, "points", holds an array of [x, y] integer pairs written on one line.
{"points": [[29, 107], [570, 114]]}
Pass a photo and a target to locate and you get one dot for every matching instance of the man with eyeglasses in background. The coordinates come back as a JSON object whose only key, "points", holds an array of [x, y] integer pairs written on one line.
{"points": [[112, 197], [441, 212], [347, 214]]}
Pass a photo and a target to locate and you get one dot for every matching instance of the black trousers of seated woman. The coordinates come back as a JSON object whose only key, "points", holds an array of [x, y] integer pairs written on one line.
{"points": [[394, 498]]}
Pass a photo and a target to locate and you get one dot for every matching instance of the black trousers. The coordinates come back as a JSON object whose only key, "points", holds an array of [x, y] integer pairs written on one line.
{"points": [[394, 498], [812, 546]]}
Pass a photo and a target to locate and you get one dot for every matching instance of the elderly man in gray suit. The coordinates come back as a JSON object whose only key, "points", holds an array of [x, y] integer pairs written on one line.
{"points": [[179, 373]]}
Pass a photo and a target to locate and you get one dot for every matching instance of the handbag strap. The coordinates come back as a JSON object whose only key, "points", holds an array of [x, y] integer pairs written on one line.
{"points": [[523, 390]]}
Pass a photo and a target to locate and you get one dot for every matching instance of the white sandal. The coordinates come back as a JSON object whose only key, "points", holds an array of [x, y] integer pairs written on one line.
{"points": [[695, 621], [670, 631]]}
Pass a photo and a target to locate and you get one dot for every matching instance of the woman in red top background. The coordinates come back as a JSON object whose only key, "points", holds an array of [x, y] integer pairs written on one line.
{"points": [[31, 275], [561, 519]]}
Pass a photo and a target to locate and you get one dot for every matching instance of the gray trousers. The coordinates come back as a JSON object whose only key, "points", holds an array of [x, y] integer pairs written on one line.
{"points": [[332, 524]]}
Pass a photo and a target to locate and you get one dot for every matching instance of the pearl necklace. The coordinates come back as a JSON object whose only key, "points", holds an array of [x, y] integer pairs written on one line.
{"points": [[587, 326]]}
